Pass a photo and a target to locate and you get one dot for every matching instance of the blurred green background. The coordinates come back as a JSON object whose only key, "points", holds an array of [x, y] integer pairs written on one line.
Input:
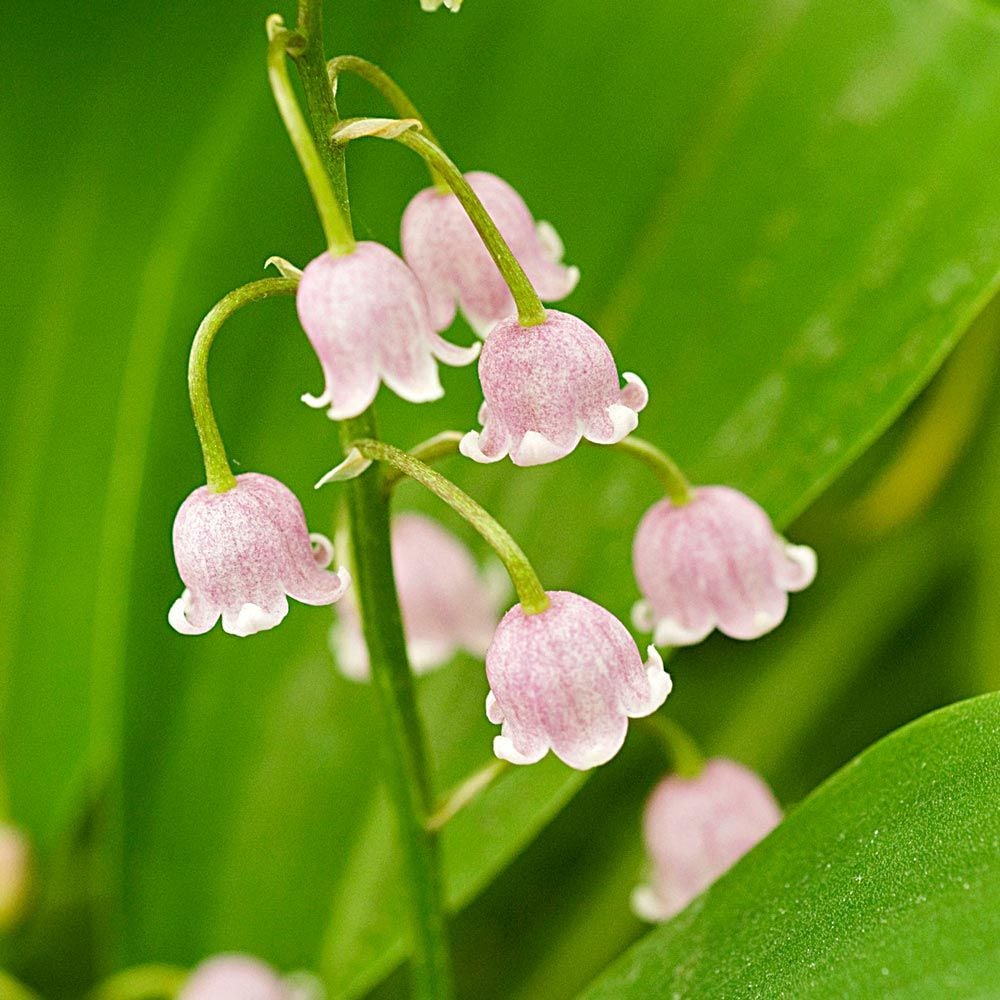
{"points": [[786, 213]]}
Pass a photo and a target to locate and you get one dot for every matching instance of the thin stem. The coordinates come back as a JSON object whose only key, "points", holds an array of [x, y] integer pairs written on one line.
{"points": [[391, 91], [442, 445], [460, 796], [406, 772], [218, 474], [530, 311], [530, 591], [685, 756], [144, 982], [666, 469], [339, 237]]}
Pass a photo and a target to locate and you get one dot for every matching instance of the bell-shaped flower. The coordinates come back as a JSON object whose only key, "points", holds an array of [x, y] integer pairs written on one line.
{"points": [[449, 257], [715, 562], [242, 553], [568, 679], [234, 977], [15, 875], [696, 829], [448, 606], [547, 386], [366, 317]]}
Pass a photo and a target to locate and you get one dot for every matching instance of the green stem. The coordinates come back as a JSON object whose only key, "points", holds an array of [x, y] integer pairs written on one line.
{"points": [[144, 982], [394, 94], [685, 756], [530, 591], [460, 796], [406, 772], [530, 311], [666, 469], [339, 237], [218, 474], [442, 445]]}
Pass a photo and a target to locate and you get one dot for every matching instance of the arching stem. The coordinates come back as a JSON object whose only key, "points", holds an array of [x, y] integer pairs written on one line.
{"points": [[665, 468]]}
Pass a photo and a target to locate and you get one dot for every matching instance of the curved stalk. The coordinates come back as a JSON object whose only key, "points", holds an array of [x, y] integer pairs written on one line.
{"points": [[218, 473], [441, 445], [665, 468], [406, 771], [530, 311], [530, 592], [685, 755]]}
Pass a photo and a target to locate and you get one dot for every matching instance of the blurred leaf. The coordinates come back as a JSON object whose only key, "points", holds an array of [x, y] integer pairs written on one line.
{"points": [[883, 882]]}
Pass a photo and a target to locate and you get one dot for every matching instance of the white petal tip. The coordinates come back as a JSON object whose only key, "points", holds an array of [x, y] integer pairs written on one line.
{"points": [[469, 447], [352, 466], [635, 395], [647, 905], [803, 558], [177, 617], [493, 710], [536, 449], [251, 619], [504, 749], [670, 632], [316, 402], [642, 616], [322, 549]]}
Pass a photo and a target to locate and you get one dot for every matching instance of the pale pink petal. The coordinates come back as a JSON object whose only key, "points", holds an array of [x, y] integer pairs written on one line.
{"points": [[714, 562], [449, 257], [697, 828], [234, 977], [568, 679], [547, 386], [15, 875], [241, 552]]}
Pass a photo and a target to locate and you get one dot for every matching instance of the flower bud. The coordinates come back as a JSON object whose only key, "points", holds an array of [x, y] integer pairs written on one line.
{"points": [[234, 977]]}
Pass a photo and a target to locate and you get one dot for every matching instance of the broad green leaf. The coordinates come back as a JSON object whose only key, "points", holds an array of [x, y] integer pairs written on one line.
{"points": [[882, 883]]}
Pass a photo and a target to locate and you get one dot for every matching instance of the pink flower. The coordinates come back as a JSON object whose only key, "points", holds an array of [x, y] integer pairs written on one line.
{"points": [[547, 386], [241, 552], [715, 562], [696, 829], [568, 679], [446, 605], [366, 317], [454, 266], [15, 875], [234, 977]]}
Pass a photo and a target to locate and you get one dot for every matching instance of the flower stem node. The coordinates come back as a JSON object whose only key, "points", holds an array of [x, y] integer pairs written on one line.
{"points": [[568, 679], [15, 876], [242, 553], [715, 562], [448, 605], [696, 829], [441, 245], [234, 977], [545, 388], [366, 317]]}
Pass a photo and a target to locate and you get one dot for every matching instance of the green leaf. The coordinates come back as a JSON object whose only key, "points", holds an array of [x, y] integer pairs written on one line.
{"points": [[882, 883]]}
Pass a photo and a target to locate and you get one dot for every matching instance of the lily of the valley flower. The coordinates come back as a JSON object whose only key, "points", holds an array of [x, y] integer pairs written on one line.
{"points": [[15, 875], [568, 679], [446, 603], [547, 386], [234, 977], [715, 562], [366, 317], [433, 5], [696, 829], [454, 266], [242, 553]]}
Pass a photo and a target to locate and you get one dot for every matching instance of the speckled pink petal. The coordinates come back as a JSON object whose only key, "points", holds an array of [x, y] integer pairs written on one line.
{"points": [[568, 679], [545, 388], [697, 828], [448, 256], [234, 977], [367, 318], [715, 562], [241, 552], [446, 603]]}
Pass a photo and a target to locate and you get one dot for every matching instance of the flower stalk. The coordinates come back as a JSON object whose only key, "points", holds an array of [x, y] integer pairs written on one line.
{"points": [[466, 792], [218, 473], [663, 466], [685, 756], [530, 311]]}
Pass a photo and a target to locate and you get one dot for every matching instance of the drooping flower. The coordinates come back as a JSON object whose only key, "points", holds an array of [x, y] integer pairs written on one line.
{"points": [[449, 257], [433, 5], [568, 679], [547, 386], [715, 562], [366, 317], [446, 604], [242, 553], [15, 875], [234, 977], [696, 829]]}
